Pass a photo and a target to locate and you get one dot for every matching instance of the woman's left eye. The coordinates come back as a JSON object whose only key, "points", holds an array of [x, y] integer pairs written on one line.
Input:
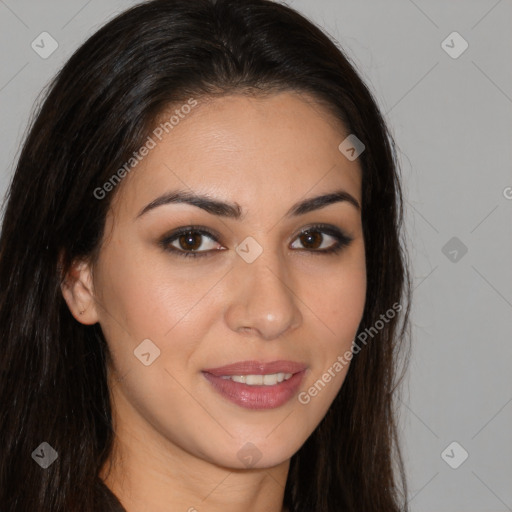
{"points": [[322, 239]]}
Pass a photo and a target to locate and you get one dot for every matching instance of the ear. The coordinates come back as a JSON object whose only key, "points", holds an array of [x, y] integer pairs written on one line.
{"points": [[78, 292]]}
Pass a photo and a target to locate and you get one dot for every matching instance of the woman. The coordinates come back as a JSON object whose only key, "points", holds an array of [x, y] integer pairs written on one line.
{"points": [[202, 275]]}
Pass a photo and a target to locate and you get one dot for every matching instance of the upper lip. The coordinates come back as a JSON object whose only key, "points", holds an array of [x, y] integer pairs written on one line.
{"points": [[257, 368]]}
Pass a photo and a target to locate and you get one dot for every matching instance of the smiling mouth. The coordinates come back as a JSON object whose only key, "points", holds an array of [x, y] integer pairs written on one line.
{"points": [[256, 385]]}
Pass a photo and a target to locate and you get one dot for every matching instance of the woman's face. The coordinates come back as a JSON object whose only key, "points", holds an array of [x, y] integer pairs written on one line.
{"points": [[257, 290]]}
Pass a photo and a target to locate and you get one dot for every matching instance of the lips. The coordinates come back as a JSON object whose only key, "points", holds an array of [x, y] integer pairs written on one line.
{"points": [[254, 396]]}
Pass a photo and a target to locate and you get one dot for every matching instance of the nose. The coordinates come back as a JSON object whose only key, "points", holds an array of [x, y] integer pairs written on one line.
{"points": [[263, 302]]}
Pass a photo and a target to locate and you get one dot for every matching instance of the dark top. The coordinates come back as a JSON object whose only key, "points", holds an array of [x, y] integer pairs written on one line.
{"points": [[107, 499]]}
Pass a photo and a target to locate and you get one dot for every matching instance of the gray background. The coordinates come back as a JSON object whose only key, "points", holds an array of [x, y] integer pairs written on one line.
{"points": [[451, 118]]}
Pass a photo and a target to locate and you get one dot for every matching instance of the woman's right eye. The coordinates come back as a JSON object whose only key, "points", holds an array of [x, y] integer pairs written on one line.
{"points": [[191, 242]]}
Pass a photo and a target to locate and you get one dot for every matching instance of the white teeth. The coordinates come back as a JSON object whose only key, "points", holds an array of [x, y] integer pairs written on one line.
{"points": [[259, 380]]}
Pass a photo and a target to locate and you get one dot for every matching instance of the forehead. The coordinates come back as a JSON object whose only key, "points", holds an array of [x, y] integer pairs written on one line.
{"points": [[252, 149]]}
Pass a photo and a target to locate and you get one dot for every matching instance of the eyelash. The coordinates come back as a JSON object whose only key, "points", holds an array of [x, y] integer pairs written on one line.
{"points": [[342, 240]]}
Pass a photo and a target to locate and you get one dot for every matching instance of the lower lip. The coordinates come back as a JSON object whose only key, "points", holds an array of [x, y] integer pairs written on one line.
{"points": [[257, 397]]}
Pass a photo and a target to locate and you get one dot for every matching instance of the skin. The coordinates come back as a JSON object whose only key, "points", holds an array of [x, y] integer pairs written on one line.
{"points": [[177, 439]]}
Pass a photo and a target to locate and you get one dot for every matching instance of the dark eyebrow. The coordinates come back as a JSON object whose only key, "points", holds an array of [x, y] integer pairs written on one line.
{"points": [[234, 211]]}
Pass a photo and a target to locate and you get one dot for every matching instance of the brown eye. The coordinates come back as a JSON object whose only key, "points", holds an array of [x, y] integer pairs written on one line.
{"points": [[322, 239], [190, 241], [311, 239]]}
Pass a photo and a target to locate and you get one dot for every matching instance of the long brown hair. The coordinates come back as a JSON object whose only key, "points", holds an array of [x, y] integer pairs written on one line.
{"points": [[99, 109]]}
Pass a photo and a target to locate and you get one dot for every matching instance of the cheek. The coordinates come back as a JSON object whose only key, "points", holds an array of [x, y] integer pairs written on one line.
{"points": [[337, 307], [344, 305], [338, 301], [145, 293], [153, 307]]}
